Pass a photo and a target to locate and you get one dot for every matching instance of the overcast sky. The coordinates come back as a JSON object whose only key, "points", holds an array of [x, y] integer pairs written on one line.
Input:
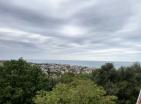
{"points": [[108, 30]]}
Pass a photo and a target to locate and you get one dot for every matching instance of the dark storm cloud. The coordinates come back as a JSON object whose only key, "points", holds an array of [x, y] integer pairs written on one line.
{"points": [[70, 29]]}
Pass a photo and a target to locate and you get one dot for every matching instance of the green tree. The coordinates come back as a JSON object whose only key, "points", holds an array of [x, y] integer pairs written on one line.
{"points": [[67, 77], [19, 82], [77, 92], [125, 82]]}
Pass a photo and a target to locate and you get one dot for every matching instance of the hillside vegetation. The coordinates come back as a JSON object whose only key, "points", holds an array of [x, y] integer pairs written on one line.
{"points": [[23, 83]]}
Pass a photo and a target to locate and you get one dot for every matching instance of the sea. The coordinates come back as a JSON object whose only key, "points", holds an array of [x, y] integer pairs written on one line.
{"points": [[92, 64]]}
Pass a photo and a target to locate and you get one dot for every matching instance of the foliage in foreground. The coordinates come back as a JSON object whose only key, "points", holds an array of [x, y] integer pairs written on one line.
{"points": [[76, 92], [125, 82], [19, 82]]}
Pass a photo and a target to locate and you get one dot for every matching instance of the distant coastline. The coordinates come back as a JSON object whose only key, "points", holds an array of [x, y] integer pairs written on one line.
{"points": [[91, 64]]}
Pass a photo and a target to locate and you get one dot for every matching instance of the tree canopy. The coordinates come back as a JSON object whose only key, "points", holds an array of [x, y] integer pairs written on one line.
{"points": [[77, 92], [125, 82], [19, 82], [26, 83]]}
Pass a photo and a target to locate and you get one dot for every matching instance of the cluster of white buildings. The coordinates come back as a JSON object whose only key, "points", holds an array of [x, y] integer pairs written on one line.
{"points": [[63, 68]]}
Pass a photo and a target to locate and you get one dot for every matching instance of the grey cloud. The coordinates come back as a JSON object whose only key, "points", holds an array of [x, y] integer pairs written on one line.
{"points": [[106, 17], [28, 20], [108, 27]]}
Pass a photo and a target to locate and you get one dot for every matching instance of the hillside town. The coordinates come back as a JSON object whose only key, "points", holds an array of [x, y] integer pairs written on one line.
{"points": [[63, 68]]}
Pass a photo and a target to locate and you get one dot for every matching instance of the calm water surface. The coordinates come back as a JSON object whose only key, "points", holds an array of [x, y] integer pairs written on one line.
{"points": [[95, 64]]}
